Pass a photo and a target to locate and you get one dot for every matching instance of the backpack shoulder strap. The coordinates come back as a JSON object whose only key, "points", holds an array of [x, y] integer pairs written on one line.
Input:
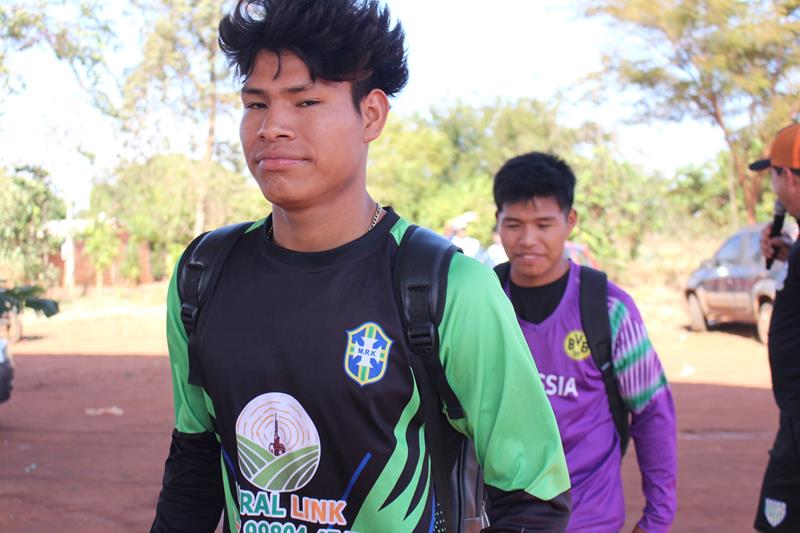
{"points": [[198, 272], [597, 327], [421, 268], [420, 280], [503, 270]]}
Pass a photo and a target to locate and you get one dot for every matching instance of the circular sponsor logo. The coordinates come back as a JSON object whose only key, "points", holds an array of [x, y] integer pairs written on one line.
{"points": [[278, 444], [576, 346]]}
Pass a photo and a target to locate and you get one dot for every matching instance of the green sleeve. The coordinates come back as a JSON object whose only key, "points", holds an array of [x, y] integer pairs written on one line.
{"points": [[191, 410], [490, 368]]}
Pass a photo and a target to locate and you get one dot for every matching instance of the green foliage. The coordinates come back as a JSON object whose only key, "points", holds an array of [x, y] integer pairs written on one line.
{"points": [[406, 168], [181, 83], [617, 204], [697, 199], [733, 63], [27, 203], [26, 296], [76, 32], [699, 192], [131, 270], [434, 168], [155, 201], [101, 243]]}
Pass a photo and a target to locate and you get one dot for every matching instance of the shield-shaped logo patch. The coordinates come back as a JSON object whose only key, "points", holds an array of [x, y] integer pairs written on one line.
{"points": [[366, 355], [775, 511]]}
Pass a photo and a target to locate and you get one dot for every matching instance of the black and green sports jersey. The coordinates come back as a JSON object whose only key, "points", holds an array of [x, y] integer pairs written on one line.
{"points": [[308, 388]]}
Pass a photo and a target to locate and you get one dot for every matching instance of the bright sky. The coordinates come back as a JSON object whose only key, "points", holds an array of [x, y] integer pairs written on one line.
{"points": [[458, 50]]}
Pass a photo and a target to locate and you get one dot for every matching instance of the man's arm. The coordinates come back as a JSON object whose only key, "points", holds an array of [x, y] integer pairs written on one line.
{"points": [[508, 416], [518, 511], [191, 497], [643, 387]]}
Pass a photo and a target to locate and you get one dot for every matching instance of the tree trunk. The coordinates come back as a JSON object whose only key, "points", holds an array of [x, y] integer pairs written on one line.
{"points": [[748, 188], [201, 182], [733, 174]]}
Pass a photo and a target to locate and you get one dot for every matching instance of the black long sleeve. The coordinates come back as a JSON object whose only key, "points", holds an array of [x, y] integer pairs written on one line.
{"points": [[519, 512], [192, 496]]}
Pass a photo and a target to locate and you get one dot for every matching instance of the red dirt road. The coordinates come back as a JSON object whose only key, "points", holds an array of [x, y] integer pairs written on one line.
{"points": [[84, 437]]}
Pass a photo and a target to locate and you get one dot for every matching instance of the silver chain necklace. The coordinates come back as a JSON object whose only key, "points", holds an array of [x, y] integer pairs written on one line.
{"points": [[372, 224]]}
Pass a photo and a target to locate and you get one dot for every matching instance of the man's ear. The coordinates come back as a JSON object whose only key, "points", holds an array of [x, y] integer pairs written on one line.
{"points": [[793, 179], [572, 219], [374, 112]]}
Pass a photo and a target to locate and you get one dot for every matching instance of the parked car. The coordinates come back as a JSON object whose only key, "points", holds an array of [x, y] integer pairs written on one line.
{"points": [[734, 285], [6, 371]]}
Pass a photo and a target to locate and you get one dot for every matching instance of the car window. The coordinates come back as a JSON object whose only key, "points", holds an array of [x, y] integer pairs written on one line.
{"points": [[730, 251], [754, 247]]}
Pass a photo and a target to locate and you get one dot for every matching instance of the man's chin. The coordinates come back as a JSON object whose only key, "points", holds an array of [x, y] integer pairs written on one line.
{"points": [[532, 273], [289, 202]]}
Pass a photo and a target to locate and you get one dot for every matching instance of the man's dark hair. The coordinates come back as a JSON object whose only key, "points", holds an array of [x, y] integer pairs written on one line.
{"points": [[534, 175], [338, 40]]}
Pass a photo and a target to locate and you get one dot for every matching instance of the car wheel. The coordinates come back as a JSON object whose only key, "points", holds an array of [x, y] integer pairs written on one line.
{"points": [[6, 379], [11, 326], [764, 317], [697, 321]]}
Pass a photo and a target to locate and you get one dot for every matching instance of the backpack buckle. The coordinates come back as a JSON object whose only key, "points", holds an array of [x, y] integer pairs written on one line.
{"points": [[421, 338], [189, 317]]}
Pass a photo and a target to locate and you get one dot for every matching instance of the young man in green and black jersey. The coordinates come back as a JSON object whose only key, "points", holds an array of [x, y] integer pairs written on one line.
{"points": [[306, 416]]}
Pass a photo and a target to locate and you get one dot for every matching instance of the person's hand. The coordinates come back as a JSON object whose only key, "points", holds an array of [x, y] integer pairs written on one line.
{"points": [[769, 245], [637, 529]]}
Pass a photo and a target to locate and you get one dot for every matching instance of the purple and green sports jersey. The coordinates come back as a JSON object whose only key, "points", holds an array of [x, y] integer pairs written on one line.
{"points": [[575, 388]]}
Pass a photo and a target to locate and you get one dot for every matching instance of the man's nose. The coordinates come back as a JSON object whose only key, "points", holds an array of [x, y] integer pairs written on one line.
{"points": [[530, 236], [276, 125]]}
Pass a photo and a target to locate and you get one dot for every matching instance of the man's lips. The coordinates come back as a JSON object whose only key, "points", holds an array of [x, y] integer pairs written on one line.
{"points": [[529, 256], [279, 162]]}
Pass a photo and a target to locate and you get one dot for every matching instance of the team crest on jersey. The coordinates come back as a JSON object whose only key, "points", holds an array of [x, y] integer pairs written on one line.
{"points": [[366, 355], [576, 346], [278, 444], [774, 511]]}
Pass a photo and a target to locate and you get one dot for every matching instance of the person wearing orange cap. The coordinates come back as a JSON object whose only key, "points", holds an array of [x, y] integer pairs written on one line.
{"points": [[779, 502]]}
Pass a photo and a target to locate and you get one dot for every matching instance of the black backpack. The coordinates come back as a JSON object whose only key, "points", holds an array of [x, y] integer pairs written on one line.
{"points": [[597, 328], [420, 282]]}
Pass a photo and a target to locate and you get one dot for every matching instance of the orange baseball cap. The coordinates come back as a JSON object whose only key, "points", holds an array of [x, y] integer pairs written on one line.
{"points": [[785, 150]]}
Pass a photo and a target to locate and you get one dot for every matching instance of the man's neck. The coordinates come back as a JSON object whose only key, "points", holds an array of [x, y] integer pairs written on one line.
{"points": [[323, 227]]}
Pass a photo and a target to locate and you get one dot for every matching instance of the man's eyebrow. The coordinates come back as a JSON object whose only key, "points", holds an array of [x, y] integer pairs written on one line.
{"points": [[298, 88], [253, 90], [543, 218], [294, 89]]}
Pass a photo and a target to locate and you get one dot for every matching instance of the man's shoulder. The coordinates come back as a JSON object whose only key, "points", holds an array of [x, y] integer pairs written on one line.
{"points": [[620, 303], [619, 296], [235, 230], [472, 285]]}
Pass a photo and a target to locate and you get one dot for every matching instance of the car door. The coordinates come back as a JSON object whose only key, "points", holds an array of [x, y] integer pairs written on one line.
{"points": [[746, 274], [721, 284]]}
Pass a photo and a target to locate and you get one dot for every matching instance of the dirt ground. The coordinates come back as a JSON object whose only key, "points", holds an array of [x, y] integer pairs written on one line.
{"points": [[85, 434]]}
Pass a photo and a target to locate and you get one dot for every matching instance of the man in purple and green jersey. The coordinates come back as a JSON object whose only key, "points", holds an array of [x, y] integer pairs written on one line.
{"points": [[534, 195]]}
